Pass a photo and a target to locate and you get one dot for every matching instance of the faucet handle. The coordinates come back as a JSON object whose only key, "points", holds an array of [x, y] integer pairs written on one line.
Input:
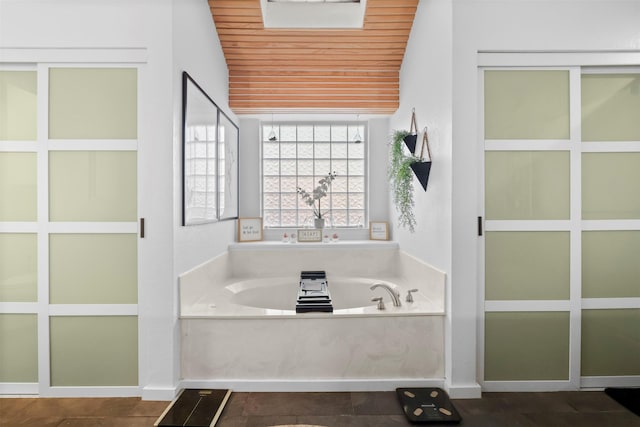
{"points": [[380, 302], [409, 296]]}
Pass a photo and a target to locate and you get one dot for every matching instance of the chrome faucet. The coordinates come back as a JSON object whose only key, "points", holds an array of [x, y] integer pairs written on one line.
{"points": [[395, 295]]}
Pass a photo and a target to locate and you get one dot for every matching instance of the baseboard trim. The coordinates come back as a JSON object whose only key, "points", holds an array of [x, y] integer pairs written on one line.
{"points": [[529, 386], [18, 389], [159, 393], [275, 385], [602, 382], [464, 391], [87, 391]]}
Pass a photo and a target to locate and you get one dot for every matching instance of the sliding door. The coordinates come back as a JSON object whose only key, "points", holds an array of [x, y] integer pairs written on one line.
{"points": [[68, 228], [562, 226]]}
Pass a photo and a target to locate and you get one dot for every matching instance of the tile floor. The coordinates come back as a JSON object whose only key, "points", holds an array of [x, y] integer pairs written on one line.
{"points": [[372, 409]]}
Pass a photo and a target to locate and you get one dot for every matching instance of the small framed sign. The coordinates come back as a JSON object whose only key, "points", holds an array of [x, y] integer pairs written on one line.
{"points": [[249, 229], [310, 235], [378, 230]]}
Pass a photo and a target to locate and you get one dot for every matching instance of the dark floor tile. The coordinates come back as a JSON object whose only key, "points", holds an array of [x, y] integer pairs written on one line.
{"points": [[27, 420], [10, 407], [236, 404], [550, 402], [86, 422], [86, 407], [108, 422], [377, 421], [376, 403], [148, 408], [498, 420], [514, 403], [592, 401], [262, 404], [269, 420], [324, 420], [468, 407], [232, 421], [377, 409], [114, 406]]}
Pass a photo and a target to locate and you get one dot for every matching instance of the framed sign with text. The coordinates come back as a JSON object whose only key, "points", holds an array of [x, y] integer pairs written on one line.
{"points": [[310, 235], [249, 229], [379, 230]]}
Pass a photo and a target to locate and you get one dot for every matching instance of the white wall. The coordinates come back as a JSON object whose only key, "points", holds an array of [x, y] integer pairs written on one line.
{"points": [[426, 85], [439, 80], [250, 159], [196, 50]]}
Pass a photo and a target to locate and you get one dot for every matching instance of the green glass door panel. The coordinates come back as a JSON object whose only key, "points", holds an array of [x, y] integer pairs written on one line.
{"points": [[18, 267], [526, 265], [611, 185], [610, 342], [18, 348], [94, 351], [18, 187], [18, 105], [521, 346], [610, 107], [93, 186], [531, 185], [93, 269], [526, 104], [610, 264], [93, 103]]}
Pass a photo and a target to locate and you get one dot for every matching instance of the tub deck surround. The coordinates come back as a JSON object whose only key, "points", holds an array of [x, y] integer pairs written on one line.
{"points": [[239, 328], [344, 258], [196, 282]]}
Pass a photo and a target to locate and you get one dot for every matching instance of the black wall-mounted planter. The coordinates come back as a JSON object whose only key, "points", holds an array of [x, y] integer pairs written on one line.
{"points": [[422, 169], [410, 141]]}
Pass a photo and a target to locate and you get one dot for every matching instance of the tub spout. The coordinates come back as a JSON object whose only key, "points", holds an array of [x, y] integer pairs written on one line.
{"points": [[395, 295]]}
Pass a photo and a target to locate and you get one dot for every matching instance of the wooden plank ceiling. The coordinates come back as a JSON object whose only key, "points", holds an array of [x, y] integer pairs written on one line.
{"points": [[313, 70]]}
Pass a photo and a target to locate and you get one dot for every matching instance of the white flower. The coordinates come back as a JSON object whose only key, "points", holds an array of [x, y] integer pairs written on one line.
{"points": [[318, 193]]}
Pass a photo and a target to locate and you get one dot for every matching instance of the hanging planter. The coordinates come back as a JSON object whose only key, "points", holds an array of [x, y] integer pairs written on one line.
{"points": [[411, 139], [421, 168]]}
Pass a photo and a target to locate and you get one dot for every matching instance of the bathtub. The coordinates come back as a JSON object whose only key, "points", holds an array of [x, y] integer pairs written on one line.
{"points": [[276, 297], [245, 334]]}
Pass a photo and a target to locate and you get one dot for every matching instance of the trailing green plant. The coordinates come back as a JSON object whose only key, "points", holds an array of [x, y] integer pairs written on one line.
{"points": [[401, 178]]}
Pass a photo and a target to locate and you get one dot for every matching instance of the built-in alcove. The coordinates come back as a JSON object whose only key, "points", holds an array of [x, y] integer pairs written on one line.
{"points": [[249, 347]]}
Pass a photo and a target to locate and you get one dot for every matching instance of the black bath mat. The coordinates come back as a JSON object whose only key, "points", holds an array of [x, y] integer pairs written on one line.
{"points": [[427, 405], [627, 397], [195, 408]]}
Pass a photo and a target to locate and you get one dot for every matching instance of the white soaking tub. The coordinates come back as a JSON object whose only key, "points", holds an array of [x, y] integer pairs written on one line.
{"points": [[244, 333]]}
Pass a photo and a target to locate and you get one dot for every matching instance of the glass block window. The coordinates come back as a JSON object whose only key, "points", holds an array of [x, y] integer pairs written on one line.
{"points": [[298, 156]]}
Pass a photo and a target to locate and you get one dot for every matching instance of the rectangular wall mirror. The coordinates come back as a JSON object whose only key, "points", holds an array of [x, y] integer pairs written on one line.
{"points": [[209, 158]]}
